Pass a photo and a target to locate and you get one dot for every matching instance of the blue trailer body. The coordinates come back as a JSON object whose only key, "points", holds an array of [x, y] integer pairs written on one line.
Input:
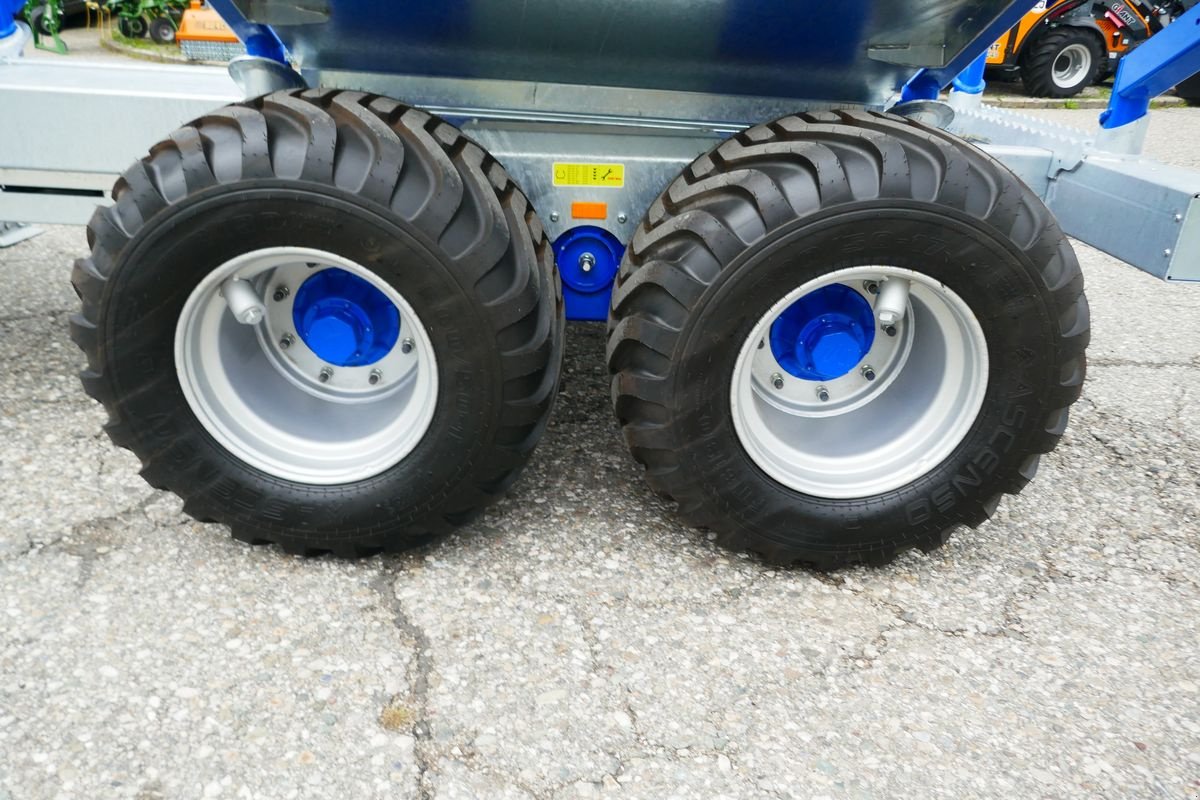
{"points": [[849, 52]]}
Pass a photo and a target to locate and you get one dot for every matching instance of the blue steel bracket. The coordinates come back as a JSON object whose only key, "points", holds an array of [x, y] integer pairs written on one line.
{"points": [[260, 40], [1168, 58], [927, 83]]}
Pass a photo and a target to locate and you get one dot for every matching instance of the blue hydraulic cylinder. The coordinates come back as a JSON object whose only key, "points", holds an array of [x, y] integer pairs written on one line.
{"points": [[970, 80], [1168, 58]]}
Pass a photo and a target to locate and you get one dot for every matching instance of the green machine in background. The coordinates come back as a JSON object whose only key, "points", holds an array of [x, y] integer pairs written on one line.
{"points": [[45, 19]]}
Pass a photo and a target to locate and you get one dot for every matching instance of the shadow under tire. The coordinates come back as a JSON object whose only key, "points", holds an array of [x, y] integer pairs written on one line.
{"points": [[793, 202], [430, 217]]}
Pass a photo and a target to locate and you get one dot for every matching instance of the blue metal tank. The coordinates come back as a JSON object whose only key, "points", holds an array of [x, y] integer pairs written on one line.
{"points": [[853, 51]]}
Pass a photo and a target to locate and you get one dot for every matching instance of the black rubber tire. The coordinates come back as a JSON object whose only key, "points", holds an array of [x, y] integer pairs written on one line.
{"points": [[1038, 57], [131, 27], [377, 182], [39, 20], [162, 30], [781, 204], [1189, 90]]}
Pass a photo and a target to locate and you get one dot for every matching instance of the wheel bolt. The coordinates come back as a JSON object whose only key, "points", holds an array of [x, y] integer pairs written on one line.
{"points": [[281, 292], [286, 340], [890, 330], [868, 372], [871, 286], [326, 374], [406, 346], [822, 394], [375, 377], [777, 380]]}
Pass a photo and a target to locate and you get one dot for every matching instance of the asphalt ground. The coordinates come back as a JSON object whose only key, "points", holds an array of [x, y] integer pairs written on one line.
{"points": [[578, 641]]}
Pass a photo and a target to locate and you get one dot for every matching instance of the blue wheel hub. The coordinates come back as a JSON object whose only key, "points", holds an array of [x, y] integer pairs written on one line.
{"points": [[824, 334], [345, 320], [587, 259]]}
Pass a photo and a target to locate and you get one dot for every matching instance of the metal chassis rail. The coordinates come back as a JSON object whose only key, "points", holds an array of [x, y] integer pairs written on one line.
{"points": [[51, 170]]}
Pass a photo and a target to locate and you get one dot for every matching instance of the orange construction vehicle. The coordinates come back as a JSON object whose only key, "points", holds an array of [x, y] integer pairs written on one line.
{"points": [[204, 36], [1060, 48]]}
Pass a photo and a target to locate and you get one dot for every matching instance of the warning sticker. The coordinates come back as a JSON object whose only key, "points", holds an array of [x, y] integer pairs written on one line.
{"points": [[611, 175]]}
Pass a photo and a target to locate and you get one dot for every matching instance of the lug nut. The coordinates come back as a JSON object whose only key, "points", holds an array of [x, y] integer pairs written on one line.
{"points": [[406, 346], [375, 377], [281, 293], [286, 340], [890, 330], [326, 374], [822, 394], [777, 380], [871, 286], [554, 216], [868, 372], [621, 218]]}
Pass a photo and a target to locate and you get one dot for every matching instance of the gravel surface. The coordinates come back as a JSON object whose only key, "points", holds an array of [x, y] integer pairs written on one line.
{"points": [[578, 641]]}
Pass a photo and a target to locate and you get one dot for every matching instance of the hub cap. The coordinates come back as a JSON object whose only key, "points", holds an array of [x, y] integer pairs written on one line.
{"points": [[336, 384], [1071, 65], [830, 403]]}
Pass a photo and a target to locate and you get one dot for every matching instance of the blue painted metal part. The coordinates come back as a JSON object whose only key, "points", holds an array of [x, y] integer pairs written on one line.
{"points": [[260, 40], [587, 259], [824, 334], [1168, 58], [854, 51], [345, 320], [970, 80], [9, 9], [921, 86]]}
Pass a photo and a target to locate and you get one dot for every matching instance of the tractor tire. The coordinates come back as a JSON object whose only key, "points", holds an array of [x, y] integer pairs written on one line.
{"points": [[1189, 90], [41, 20], [944, 411], [131, 27], [1061, 62], [162, 30], [408, 345]]}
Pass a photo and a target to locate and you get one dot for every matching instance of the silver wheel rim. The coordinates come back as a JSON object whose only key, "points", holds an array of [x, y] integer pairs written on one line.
{"points": [[1071, 65], [260, 391], [868, 436]]}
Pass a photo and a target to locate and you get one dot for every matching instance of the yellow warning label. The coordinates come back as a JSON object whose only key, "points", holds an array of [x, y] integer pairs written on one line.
{"points": [[611, 175]]}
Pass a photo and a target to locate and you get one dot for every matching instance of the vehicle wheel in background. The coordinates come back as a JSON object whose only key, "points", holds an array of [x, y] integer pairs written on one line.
{"points": [[131, 27], [1189, 90], [162, 30], [1061, 62]]}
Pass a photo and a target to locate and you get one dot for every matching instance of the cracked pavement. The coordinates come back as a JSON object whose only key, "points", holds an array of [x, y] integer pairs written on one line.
{"points": [[578, 641]]}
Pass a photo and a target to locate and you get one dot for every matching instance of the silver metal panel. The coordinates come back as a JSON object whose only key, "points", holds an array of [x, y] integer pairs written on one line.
{"points": [[1133, 210], [823, 50], [489, 99], [1145, 213], [1185, 261], [98, 117], [651, 161]]}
